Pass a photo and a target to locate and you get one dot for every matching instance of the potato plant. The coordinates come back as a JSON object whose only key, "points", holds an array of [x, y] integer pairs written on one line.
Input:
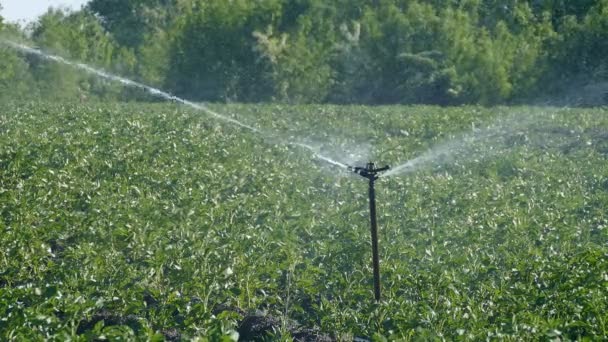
{"points": [[143, 221]]}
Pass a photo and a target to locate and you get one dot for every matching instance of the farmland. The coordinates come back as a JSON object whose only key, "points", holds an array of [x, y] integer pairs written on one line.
{"points": [[153, 221]]}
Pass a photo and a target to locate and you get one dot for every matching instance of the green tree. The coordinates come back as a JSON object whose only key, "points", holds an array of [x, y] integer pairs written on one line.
{"points": [[299, 56], [146, 29], [493, 64], [16, 80], [345, 51], [80, 37], [131, 20], [392, 54], [558, 10], [577, 70], [212, 56]]}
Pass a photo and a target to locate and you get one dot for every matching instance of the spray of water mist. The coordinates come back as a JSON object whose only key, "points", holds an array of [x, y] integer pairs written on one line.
{"points": [[348, 153], [319, 155], [477, 144], [167, 96], [492, 140]]}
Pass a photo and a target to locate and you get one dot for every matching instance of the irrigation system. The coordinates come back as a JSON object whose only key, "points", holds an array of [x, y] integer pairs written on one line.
{"points": [[372, 173], [369, 171]]}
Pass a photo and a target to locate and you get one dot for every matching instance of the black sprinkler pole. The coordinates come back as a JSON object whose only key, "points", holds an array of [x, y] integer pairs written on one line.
{"points": [[370, 172], [374, 226]]}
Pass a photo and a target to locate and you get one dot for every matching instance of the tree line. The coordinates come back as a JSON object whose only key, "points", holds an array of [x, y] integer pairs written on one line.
{"points": [[445, 52]]}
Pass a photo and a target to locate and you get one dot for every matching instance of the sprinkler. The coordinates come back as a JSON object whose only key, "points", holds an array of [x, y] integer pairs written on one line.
{"points": [[372, 174]]}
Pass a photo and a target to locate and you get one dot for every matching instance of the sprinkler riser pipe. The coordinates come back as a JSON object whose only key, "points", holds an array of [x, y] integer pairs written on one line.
{"points": [[372, 174], [374, 235]]}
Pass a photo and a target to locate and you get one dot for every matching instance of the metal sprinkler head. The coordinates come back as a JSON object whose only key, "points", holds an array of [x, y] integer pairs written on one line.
{"points": [[369, 171], [372, 173]]}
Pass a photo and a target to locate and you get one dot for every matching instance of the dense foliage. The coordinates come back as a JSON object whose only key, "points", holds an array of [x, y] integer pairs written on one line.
{"points": [[361, 51], [150, 221]]}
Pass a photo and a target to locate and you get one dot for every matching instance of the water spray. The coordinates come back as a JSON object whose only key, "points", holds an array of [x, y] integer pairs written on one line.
{"points": [[164, 95], [372, 174], [369, 171]]}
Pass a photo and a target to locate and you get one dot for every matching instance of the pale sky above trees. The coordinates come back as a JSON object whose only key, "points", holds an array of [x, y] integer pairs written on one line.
{"points": [[28, 10]]}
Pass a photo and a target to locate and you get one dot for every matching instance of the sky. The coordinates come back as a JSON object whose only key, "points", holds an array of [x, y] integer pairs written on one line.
{"points": [[26, 11]]}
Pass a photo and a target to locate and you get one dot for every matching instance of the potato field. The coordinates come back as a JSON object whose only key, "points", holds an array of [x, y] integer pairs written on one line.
{"points": [[158, 222]]}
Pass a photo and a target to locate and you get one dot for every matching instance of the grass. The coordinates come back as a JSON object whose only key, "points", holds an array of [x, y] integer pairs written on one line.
{"points": [[133, 221]]}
